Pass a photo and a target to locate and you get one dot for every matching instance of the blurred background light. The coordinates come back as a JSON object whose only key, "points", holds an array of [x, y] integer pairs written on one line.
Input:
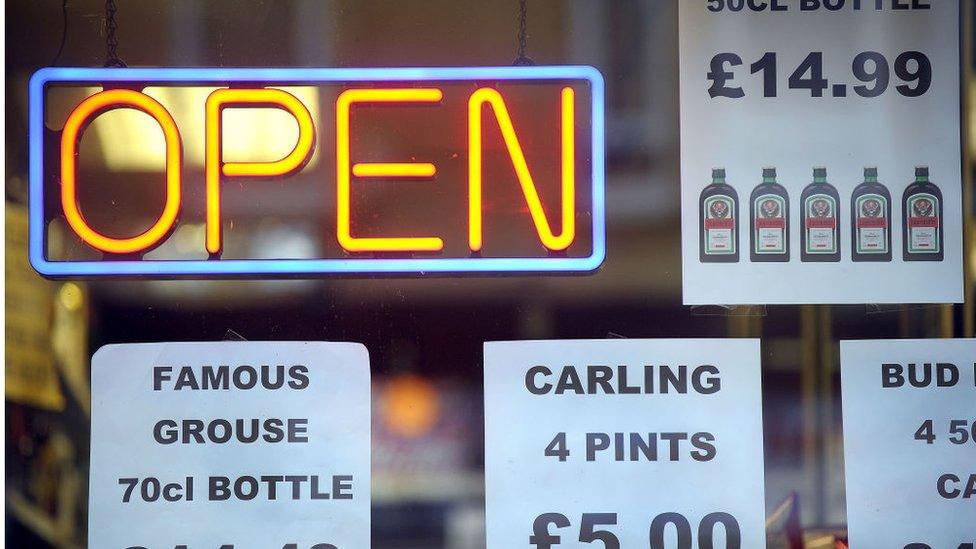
{"points": [[410, 405]]}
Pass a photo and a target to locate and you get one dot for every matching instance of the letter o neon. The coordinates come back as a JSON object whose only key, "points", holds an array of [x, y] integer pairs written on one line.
{"points": [[77, 121]]}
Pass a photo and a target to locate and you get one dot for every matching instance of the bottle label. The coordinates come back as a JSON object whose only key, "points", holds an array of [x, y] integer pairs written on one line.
{"points": [[872, 224], [770, 224], [820, 211], [923, 224], [719, 215]]}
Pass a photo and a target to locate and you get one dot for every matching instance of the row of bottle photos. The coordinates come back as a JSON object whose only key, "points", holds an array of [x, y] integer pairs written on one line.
{"points": [[820, 239]]}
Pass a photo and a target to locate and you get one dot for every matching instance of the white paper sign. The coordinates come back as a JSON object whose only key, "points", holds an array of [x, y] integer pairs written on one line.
{"points": [[910, 442], [230, 444], [866, 90], [636, 443]]}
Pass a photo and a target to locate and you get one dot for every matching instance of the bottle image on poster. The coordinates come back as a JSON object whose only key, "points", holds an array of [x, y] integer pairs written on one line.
{"points": [[922, 223], [820, 220], [719, 206], [871, 220], [840, 84], [770, 217]]}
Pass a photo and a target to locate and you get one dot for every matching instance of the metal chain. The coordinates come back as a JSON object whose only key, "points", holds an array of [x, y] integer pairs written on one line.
{"points": [[520, 57], [111, 37], [64, 31]]}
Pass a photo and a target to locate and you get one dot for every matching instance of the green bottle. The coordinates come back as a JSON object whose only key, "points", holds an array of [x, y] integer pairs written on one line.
{"points": [[871, 220], [922, 231], [718, 207], [820, 201], [769, 207]]}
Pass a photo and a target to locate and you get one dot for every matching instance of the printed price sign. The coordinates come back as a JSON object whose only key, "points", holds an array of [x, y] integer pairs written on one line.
{"points": [[820, 157], [910, 442], [632, 443], [231, 445]]}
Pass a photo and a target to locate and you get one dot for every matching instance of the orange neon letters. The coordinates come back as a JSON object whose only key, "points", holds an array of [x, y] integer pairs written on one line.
{"points": [[215, 167], [343, 226], [75, 126], [550, 240]]}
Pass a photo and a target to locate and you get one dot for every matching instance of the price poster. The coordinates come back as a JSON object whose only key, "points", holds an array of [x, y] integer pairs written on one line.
{"points": [[910, 442], [231, 445], [820, 151], [630, 443]]}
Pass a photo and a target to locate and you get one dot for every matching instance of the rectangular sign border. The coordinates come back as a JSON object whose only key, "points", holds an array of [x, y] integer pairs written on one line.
{"points": [[297, 267]]}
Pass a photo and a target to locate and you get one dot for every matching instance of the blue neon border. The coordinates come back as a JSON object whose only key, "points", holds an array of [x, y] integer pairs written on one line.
{"points": [[258, 267]]}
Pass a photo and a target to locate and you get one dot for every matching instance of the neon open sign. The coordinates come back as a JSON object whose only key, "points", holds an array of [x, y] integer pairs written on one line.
{"points": [[494, 169]]}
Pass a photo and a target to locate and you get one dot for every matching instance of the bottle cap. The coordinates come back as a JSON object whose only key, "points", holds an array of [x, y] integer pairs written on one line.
{"points": [[921, 171], [769, 172], [718, 173], [870, 172], [820, 172]]}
